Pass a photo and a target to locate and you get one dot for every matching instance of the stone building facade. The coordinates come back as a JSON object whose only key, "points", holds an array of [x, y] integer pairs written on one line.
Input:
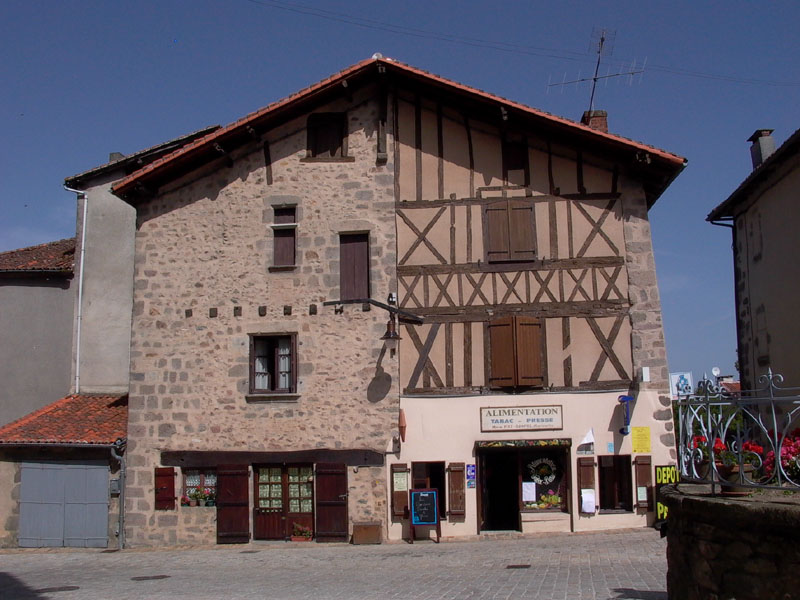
{"points": [[264, 252]]}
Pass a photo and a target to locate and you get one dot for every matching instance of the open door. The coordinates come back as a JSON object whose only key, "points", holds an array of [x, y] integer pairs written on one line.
{"points": [[233, 511], [331, 502]]}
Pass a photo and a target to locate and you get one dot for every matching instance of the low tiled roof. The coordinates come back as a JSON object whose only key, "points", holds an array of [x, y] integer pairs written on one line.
{"points": [[52, 256], [89, 419], [122, 187]]}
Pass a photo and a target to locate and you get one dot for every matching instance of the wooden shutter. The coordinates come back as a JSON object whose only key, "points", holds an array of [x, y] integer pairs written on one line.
{"points": [[284, 238], [644, 479], [529, 351], [501, 343], [522, 238], [353, 266], [456, 494], [327, 134], [400, 496], [585, 477], [331, 502], [497, 243], [233, 504], [165, 488]]}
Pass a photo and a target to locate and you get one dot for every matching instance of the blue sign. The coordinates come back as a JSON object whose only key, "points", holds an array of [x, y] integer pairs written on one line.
{"points": [[424, 507], [470, 471]]}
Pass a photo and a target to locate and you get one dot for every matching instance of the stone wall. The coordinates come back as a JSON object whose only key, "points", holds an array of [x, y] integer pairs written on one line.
{"points": [[723, 548], [203, 283]]}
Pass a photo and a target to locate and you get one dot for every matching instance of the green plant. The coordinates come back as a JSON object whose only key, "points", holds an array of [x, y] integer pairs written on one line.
{"points": [[299, 530]]}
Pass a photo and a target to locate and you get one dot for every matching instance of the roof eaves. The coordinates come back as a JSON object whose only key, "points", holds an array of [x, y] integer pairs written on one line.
{"points": [[741, 193], [125, 160], [124, 185]]}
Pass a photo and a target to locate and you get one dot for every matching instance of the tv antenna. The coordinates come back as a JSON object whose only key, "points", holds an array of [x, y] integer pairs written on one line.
{"points": [[603, 44]]}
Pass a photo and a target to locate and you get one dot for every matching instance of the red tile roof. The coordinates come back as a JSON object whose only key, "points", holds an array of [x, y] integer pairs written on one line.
{"points": [[123, 186], [76, 419], [53, 256]]}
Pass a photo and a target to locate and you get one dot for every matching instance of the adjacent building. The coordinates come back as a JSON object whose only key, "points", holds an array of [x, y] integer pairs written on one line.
{"points": [[761, 214], [279, 259]]}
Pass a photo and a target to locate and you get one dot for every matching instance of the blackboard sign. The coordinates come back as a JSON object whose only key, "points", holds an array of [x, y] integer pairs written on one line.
{"points": [[424, 507]]}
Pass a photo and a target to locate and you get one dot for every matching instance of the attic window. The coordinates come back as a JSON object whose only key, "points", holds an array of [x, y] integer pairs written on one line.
{"points": [[327, 137]]}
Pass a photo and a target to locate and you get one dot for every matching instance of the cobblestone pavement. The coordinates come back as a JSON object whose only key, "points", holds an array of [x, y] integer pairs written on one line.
{"points": [[627, 564]]}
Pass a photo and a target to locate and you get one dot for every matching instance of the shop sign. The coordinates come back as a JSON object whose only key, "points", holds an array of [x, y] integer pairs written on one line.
{"points": [[471, 476], [664, 474], [521, 418]]}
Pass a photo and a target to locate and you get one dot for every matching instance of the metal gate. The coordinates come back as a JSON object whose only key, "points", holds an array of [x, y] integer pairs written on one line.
{"points": [[63, 504]]}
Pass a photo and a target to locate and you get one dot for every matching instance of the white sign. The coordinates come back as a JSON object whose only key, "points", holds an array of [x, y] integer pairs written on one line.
{"points": [[680, 379], [521, 418], [529, 491]]}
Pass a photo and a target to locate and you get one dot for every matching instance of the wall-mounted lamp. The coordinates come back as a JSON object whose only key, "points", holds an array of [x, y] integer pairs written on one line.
{"points": [[391, 337]]}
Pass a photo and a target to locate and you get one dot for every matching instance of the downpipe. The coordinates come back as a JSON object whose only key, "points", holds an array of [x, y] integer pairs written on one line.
{"points": [[79, 315], [118, 452]]}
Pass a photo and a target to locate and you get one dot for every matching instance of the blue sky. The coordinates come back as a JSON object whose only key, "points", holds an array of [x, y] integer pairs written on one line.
{"points": [[85, 78]]}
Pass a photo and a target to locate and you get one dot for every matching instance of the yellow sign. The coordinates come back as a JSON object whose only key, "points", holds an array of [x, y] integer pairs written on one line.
{"points": [[640, 439], [664, 475]]}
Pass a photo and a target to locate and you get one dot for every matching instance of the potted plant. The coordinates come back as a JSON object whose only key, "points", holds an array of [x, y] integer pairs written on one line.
{"points": [[198, 495], [301, 533], [211, 497], [185, 501]]}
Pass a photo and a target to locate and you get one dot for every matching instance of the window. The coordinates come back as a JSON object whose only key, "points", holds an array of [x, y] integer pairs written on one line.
{"points": [[516, 352], [197, 482], [516, 170], [284, 232], [327, 136], [431, 475], [509, 231], [272, 364], [353, 266], [616, 492]]}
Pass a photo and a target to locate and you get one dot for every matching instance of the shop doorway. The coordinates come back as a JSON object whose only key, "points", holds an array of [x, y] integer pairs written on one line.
{"points": [[521, 476], [500, 490]]}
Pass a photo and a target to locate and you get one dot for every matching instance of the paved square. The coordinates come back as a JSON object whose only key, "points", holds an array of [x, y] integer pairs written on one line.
{"points": [[627, 564]]}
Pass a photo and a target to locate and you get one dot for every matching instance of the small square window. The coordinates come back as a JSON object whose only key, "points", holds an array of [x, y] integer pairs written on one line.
{"points": [[199, 484], [327, 135], [272, 364]]}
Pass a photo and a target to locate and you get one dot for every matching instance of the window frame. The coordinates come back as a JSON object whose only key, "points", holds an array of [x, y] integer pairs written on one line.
{"points": [[504, 240], [328, 122], [615, 483], [281, 224], [438, 482], [291, 391], [516, 149]]}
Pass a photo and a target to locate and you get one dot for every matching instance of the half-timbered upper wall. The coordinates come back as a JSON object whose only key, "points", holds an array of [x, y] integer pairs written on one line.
{"points": [[462, 184]]}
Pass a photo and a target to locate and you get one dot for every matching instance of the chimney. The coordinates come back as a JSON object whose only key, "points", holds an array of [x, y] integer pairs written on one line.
{"points": [[763, 146], [596, 119], [115, 156]]}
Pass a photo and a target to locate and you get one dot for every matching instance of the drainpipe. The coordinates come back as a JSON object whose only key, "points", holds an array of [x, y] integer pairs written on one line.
{"points": [[118, 452], [79, 316]]}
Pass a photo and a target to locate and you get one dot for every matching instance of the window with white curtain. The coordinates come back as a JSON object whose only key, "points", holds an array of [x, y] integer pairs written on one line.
{"points": [[272, 363]]}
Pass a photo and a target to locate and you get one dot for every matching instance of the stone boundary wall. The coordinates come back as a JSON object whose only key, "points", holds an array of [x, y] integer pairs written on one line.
{"points": [[721, 548]]}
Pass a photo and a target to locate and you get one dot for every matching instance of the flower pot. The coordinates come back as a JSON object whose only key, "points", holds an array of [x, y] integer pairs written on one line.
{"points": [[201, 503], [300, 538], [192, 502], [730, 473], [210, 503]]}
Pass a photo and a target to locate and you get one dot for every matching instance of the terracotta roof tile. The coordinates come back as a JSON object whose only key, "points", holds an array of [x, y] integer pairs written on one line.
{"points": [[52, 256], [123, 185], [75, 419]]}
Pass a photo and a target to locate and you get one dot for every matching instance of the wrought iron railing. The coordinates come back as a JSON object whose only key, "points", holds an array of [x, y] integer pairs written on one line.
{"points": [[737, 440]]}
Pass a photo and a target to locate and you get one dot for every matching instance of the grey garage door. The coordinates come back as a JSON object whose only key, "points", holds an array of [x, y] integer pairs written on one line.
{"points": [[64, 504]]}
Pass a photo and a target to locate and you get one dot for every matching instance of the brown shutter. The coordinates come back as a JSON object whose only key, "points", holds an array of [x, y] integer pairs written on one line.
{"points": [[644, 479], [165, 488], [529, 350], [501, 343], [456, 495], [497, 242], [353, 266], [233, 504], [522, 239], [585, 477], [284, 244], [400, 497]]}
